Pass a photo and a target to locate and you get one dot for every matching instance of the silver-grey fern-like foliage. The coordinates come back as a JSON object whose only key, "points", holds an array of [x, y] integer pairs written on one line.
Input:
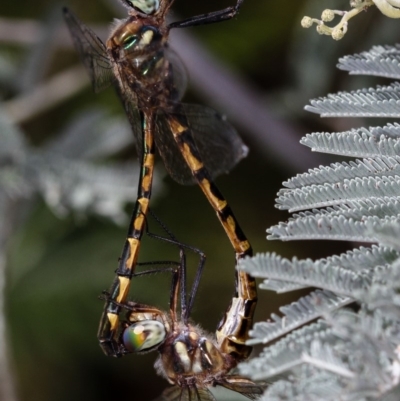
{"points": [[326, 351], [362, 142], [65, 172], [382, 61], [382, 101]]}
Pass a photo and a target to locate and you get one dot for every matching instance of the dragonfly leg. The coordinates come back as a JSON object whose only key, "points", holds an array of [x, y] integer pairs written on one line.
{"points": [[186, 303], [209, 18], [109, 323]]}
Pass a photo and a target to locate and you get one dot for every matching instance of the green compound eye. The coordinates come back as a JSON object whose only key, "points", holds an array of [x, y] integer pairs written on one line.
{"points": [[144, 335]]}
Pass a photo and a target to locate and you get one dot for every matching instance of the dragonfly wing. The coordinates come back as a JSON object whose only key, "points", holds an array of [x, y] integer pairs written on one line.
{"points": [[219, 145], [176, 393], [201, 394], [170, 153], [178, 72], [91, 50], [243, 386], [134, 118]]}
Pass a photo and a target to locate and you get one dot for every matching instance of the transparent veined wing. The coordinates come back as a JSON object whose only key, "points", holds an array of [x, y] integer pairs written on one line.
{"points": [[178, 72], [193, 393], [134, 118], [243, 386], [219, 145], [91, 50]]}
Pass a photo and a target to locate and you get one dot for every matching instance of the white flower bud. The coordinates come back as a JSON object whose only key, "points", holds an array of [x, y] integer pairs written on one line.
{"points": [[337, 34], [320, 29], [306, 22], [327, 15]]}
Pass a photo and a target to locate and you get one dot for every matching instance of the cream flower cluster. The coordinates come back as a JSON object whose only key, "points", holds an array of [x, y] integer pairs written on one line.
{"points": [[390, 8]]}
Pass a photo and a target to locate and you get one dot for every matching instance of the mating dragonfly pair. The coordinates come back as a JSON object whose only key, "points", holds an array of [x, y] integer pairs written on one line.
{"points": [[196, 144]]}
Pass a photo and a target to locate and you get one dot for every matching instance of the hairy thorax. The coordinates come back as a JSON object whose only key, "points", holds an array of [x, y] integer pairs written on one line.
{"points": [[189, 357], [143, 72]]}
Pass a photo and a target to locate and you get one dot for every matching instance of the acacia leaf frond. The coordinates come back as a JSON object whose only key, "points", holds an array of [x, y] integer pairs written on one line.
{"points": [[382, 101], [361, 142], [330, 194], [382, 61], [337, 172], [308, 273], [337, 228]]}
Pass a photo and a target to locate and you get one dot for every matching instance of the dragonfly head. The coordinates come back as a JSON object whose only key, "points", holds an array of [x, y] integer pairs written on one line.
{"points": [[134, 36]]}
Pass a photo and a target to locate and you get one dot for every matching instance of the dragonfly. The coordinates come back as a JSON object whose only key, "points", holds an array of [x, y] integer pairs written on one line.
{"points": [[190, 359], [195, 143]]}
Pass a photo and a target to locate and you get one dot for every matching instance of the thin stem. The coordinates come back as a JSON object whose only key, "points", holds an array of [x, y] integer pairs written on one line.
{"points": [[7, 385], [54, 91]]}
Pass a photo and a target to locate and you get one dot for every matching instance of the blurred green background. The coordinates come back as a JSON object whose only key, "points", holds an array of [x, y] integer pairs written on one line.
{"points": [[56, 267]]}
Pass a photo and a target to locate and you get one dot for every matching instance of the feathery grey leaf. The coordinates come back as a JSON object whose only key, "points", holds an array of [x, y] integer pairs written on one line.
{"points": [[295, 315], [337, 172], [314, 386], [92, 134], [67, 184], [356, 260], [323, 357], [383, 297], [353, 357], [377, 141], [279, 286], [363, 258], [384, 101], [383, 61], [13, 183], [394, 393], [316, 196], [307, 273], [356, 349], [13, 144], [284, 351], [13, 153], [358, 210], [388, 234], [71, 185], [326, 228]]}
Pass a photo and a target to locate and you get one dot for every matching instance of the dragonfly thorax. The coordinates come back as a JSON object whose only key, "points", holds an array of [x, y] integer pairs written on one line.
{"points": [[189, 357], [137, 50], [134, 36]]}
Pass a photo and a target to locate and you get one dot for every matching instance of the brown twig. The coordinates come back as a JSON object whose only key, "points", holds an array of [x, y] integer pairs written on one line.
{"points": [[49, 94]]}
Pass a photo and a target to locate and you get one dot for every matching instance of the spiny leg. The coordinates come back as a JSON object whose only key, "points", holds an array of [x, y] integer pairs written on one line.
{"points": [[186, 303], [233, 330], [209, 18], [126, 267]]}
